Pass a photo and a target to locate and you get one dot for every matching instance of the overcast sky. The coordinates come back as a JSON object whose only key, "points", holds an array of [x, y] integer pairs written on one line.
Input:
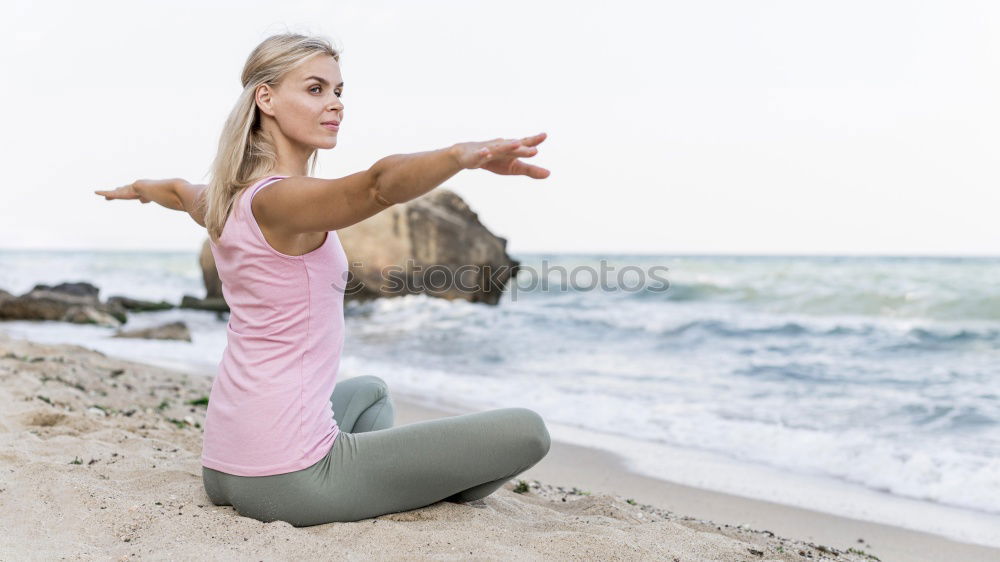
{"points": [[774, 127]]}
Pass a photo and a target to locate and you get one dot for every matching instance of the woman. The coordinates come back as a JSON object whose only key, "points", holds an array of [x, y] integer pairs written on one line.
{"points": [[282, 439]]}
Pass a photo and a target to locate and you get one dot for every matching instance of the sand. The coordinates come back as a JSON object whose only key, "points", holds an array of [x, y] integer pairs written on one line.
{"points": [[101, 459]]}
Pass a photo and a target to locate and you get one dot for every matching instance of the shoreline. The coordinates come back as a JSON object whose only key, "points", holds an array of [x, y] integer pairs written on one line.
{"points": [[106, 431], [606, 472]]}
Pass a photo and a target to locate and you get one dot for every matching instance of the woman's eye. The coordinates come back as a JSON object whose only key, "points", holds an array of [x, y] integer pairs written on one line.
{"points": [[320, 88]]}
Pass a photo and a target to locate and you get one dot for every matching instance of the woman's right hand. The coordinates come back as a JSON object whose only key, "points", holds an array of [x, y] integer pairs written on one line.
{"points": [[123, 192], [500, 156]]}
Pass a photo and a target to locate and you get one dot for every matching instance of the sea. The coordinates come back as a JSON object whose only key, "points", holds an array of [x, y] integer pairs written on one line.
{"points": [[862, 386]]}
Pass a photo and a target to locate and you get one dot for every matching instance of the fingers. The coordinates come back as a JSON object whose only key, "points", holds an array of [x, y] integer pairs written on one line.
{"points": [[532, 171], [508, 146], [525, 146], [115, 194], [536, 172], [516, 148], [534, 140]]}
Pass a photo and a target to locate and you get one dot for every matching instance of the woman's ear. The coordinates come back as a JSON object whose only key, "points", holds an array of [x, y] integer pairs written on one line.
{"points": [[263, 98]]}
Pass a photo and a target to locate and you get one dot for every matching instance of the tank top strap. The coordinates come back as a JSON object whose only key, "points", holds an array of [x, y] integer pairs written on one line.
{"points": [[253, 189], [247, 197]]}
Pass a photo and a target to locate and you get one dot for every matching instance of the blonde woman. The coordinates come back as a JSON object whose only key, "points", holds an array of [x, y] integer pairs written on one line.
{"points": [[283, 440]]}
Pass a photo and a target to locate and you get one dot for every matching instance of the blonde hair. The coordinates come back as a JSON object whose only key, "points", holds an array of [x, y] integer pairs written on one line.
{"points": [[246, 152]]}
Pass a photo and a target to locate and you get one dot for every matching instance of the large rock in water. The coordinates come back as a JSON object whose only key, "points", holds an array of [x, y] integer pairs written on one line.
{"points": [[433, 245]]}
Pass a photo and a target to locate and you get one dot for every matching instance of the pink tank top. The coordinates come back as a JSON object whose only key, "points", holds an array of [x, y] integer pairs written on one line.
{"points": [[269, 411]]}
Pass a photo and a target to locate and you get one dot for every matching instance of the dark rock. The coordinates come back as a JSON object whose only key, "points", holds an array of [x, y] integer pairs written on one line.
{"points": [[78, 289], [170, 331], [217, 304], [66, 302], [89, 315], [137, 305], [433, 245]]}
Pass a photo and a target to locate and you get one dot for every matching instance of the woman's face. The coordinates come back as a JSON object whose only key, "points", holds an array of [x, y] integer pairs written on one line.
{"points": [[307, 102]]}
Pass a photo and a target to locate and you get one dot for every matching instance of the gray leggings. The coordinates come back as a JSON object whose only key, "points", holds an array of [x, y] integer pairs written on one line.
{"points": [[374, 468]]}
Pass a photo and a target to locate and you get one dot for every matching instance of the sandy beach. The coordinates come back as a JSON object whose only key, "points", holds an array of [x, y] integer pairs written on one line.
{"points": [[101, 460]]}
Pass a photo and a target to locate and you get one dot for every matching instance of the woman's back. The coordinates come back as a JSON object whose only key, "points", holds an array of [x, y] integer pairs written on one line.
{"points": [[269, 411]]}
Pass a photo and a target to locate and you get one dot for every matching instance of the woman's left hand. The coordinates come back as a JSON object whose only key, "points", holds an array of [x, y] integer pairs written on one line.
{"points": [[501, 156]]}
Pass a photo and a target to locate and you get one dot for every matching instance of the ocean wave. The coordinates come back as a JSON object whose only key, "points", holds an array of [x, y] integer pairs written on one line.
{"points": [[932, 470], [782, 328], [946, 340], [908, 447], [807, 298]]}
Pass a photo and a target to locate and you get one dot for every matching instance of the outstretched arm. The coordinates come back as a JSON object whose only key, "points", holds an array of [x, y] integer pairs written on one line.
{"points": [[305, 204], [174, 193]]}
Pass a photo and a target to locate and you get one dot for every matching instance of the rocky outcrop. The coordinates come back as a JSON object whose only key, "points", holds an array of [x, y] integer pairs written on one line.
{"points": [[66, 302], [137, 305], [170, 331], [216, 304], [433, 245], [79, 303]]}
